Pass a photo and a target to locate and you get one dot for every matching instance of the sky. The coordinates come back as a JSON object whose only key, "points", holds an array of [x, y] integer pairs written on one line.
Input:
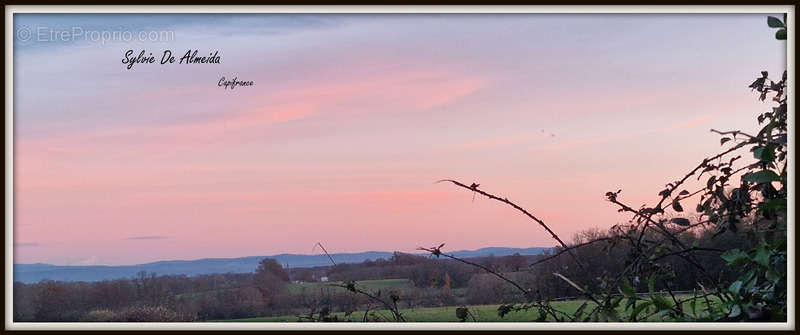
{"points": [[353, 118]]}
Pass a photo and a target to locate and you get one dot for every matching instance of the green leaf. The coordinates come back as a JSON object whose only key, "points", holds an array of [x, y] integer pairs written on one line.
{"points": [[542, 315], [735, 256], [761, 177], [630, 303], [757, 151], [611, 315], [780, 34], [773, 275], [765, 153], [676, 205], [749, 275], [615, 302], [640, 307], [767, 129], [773, 206], [774, 22], [627, 289], [661, 303], [750, 282], [680, 221], [651, 285], [762, 255], [735, 287], [711, 182], [580, 309]]}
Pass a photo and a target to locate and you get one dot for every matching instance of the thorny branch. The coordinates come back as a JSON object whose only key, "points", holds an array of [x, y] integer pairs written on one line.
{"points": [[351, 286], [563, 250], [436, 251], [474, 188]]}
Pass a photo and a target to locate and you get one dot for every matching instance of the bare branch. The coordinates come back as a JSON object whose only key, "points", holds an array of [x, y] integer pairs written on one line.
{"points": [[563, 250], [437, 252], [576, 286], [474, 188], [326, 252], [391, 307]]}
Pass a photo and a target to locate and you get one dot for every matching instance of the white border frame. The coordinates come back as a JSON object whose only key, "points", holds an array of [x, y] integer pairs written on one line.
{"points": [[9, 164]]}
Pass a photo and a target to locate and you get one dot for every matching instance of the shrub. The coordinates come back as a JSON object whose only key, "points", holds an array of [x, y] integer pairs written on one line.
{"points": [[484, 289]]}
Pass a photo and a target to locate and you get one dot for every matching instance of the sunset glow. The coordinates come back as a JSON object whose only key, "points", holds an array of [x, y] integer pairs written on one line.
{"points": [[351, 121]]}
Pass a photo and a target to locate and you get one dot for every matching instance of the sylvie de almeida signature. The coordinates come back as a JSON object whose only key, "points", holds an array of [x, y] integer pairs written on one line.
{"points": [[190, 57]]}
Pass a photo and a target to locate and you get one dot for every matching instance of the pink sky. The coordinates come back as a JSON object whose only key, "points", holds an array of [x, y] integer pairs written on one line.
{"points": [[352, 120]]}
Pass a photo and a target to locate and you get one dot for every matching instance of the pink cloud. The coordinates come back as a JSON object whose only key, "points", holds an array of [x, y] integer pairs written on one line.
{"points": [[365, 93], [694, 122]]}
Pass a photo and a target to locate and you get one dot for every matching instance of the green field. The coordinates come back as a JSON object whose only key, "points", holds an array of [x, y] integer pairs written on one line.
{"points": [[297, 288], [482, 313], [370, 285]]}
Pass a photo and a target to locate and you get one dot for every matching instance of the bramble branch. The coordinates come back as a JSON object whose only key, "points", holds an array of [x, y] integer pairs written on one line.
{"points": [[474, 188], [563, 250], [437, 252]]}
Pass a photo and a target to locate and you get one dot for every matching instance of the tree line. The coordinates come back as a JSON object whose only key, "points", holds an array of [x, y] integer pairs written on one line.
{"points": [[266, 292]]}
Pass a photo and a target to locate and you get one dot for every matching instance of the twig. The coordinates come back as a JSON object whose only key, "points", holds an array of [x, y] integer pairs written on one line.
{"points": [[326, 252], [576, 286], [752, 138], [677, 184], [678, 308], [438, 252], [676, 253], [563, 250], [664, 232], [732, 132], [393, 308], [474, 188]]}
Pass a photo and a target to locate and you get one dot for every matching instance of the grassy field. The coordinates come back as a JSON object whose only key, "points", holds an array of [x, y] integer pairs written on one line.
{"points": [[297, 288], [482, 313], [371, 285]]}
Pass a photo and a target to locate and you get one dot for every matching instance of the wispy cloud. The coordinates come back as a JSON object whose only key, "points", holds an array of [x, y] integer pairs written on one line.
{"points": [[350, 121], [694, 122], [148, 237]]}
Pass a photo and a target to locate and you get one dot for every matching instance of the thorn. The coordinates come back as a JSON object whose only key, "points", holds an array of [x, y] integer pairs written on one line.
{"points": [[474, 187]]}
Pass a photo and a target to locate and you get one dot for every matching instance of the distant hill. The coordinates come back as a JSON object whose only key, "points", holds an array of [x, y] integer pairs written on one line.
{"points": [[32, 273]]}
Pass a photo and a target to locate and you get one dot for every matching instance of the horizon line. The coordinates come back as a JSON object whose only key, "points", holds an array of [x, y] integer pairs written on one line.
{"points": [[266, 256]]}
